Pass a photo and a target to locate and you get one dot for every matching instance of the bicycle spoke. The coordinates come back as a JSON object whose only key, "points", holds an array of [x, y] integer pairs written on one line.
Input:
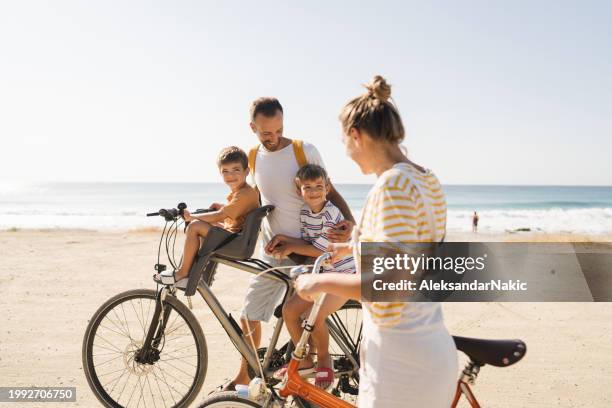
{"points": [[107, 361], [151, 391], [167, 385], [179, 369], [115, 380], [170, 375], [137, 317], [126, 321]]}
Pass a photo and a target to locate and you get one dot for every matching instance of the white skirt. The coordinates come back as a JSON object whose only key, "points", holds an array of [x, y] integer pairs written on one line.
{"points": [[412, 367]]}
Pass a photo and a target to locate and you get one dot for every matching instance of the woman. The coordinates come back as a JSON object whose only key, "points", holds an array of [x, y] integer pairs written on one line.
{"points": [[408, 357]]}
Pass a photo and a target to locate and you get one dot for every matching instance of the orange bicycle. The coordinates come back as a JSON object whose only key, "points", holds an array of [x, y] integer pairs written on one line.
{"points": [[300, 392]]}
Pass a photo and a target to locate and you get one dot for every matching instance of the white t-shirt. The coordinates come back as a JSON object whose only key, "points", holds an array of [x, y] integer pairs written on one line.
{"points": [[274, 176]]}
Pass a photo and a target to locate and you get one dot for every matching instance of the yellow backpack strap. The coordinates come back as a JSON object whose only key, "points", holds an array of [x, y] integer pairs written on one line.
{"points": [[298, 149], [252, 157]]}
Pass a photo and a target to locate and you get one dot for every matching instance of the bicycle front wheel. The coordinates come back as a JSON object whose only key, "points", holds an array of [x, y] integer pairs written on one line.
{"points": [[229, 399], [176, 365]]}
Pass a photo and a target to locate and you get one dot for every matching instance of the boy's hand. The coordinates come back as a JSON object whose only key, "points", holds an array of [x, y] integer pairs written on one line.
{"points": [[339, 251], [215, 206], [341, 232], [187, 216]]}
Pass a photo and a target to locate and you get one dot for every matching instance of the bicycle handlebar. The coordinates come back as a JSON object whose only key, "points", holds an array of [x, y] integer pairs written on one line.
{"points": [[172, 213]]}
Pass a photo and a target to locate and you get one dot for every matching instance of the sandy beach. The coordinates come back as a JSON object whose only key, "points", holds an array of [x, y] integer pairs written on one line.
{"points": [[54, 280]]}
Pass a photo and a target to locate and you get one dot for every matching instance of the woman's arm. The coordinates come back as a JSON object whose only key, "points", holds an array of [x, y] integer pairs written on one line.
{"points": [[341, 284]]}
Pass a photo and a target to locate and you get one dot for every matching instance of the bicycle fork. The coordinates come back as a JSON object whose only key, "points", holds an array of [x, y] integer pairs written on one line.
{"points": [[149, 351]]}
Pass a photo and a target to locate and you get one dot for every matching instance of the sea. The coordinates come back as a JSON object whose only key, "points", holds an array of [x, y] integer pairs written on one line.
{"points": [[121, 206]]}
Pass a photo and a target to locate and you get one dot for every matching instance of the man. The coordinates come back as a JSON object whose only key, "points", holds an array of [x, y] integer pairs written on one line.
{"points": [[274, 164]]}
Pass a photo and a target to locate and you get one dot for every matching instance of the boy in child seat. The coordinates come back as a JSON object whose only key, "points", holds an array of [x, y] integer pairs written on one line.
{"points": [[234, 168], [317, 218]]}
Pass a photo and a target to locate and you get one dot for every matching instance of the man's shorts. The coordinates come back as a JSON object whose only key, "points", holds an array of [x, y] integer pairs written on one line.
{"points": [[264, 294]]}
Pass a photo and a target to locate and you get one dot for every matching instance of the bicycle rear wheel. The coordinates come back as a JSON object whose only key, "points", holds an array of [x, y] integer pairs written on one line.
{"points": [[345, 329], [175, 369]]}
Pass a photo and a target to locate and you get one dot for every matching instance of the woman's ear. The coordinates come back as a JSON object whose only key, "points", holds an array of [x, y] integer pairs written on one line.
{"points": [[355, 136]]}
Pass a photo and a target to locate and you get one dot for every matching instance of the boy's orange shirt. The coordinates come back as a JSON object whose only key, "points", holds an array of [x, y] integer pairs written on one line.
{"points": [[238, 205]]}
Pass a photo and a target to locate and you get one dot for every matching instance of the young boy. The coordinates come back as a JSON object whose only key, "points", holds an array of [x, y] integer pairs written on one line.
{"points": [[234, 168], [317, 217]]}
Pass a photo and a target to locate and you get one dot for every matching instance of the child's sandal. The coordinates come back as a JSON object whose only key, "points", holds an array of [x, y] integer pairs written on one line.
{"points": [[169, 278], [324, 378], [280, 373]]}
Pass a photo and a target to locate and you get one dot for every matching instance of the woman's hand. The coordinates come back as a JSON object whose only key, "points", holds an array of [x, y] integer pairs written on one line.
{"points": [[341, 232], [187, 216], [306, 286], [339, 251]]}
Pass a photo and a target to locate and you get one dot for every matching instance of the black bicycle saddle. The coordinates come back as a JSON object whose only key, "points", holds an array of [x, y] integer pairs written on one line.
{"points": [[498, 353]]}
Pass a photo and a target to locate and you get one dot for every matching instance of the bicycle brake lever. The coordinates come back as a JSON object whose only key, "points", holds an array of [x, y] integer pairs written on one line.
{"points": [[297, 271]]}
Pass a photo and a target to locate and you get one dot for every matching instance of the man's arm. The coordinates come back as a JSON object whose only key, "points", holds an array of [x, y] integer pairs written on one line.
{"points": [[337, 200], [341, 231]]}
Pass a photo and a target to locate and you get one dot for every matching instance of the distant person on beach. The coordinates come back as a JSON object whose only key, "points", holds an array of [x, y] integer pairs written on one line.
{"points": [[408, 358], [233, 166], [475, 222], [274, 162]]}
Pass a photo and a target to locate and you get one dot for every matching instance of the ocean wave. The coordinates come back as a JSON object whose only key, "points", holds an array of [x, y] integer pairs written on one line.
{"points": [[587, 220], [582, 220]]}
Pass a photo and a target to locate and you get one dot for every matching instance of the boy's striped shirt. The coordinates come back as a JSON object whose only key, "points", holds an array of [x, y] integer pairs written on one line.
{"points": [[314, 228]]}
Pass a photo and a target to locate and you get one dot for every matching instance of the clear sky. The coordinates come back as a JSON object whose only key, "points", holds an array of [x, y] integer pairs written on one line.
{"points": [[505, 92]]}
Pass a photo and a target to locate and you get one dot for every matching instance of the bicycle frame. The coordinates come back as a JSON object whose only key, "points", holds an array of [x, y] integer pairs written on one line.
{"points": [[234, 331], [229, 324]]}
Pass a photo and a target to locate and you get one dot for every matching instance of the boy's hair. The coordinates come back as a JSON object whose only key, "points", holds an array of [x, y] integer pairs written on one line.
{"points": [[310, 172], [267, 106], [232, 154]]}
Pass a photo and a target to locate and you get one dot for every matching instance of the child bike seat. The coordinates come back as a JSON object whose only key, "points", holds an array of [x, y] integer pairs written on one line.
{"points": [[498, 353], [234, 245]]}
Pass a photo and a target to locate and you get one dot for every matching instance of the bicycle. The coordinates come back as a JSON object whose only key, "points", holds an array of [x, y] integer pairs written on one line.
{"points": [[145, 347], [500, 353]]}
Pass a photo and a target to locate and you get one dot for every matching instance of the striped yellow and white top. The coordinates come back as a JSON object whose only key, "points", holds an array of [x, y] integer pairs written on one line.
{"points": [[405, 205]]}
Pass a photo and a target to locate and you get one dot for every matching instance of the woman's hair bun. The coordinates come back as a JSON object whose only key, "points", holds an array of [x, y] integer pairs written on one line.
{"points": [[379, 88]]}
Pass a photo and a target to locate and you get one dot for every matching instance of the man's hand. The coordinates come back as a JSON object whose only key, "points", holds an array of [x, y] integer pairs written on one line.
{"points": [[215, 206], [187, 216], [276, 240], [341, 232], [282, 250]]}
